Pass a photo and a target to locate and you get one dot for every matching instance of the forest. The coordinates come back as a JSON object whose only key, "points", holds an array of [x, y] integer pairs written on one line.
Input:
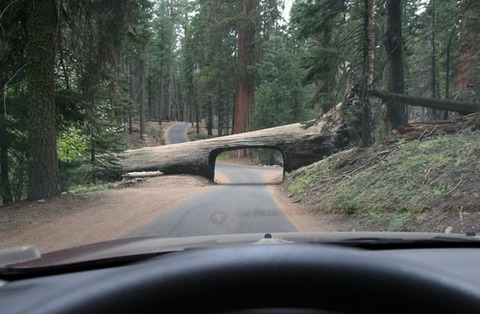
{"points": [[75, 75]]}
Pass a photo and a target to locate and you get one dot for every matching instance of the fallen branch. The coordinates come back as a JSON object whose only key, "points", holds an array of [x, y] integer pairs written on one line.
{"points": [[456, 186], [143, 174], [433, 103], [418, 131]]}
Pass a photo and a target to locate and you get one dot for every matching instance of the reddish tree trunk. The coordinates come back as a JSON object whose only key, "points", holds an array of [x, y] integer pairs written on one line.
{"points": [[468, 73], [245, 91]]}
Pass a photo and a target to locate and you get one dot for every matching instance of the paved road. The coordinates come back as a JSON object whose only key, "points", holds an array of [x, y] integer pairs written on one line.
{"points": [[176, 134], [236, 208], [244, 206]]}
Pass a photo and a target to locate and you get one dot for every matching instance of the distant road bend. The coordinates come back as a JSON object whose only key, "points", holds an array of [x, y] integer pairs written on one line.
{"points": [[177, 133], [245, 206]]}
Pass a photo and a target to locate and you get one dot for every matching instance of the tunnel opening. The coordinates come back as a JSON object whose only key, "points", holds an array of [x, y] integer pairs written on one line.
{"points": [[248, 165]]}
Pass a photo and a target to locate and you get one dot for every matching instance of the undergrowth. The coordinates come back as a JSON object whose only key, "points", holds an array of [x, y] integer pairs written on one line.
{"points": [[391, 185]]}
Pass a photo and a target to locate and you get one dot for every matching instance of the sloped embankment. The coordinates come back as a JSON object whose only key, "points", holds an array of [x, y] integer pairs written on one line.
{"points": [[430, 185]]}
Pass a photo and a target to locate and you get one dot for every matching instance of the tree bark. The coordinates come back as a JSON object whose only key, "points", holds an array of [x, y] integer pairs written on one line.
{"points": [[141, 94], [132, 97], [393, 114], [5, 187], [5, 169], [368, 68], [433, 51], [161, 104], [468, 73], [245, 89], [43, 178], [448, 60]]}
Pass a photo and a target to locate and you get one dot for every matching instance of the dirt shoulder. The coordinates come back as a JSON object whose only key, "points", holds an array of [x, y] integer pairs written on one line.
{"points": [[73, 220]]}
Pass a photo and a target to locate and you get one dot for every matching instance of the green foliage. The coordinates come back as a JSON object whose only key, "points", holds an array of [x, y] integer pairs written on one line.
{"points": [[72, 145], [302, 182], [73, 174], [352, 114], [398, 220], [331, 44], [223, 156], [210, 52], [280, 98], [418, 48]]}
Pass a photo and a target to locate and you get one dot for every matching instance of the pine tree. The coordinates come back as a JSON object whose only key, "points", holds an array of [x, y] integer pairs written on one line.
{"points": [[43, 179], [393, 114]]}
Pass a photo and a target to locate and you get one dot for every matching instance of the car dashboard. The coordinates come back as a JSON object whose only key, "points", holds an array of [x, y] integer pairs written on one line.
{"points": [[267, 278]]}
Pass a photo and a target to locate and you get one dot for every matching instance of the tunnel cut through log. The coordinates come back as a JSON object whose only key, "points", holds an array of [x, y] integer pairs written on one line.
{"points": [[214, 154], [299, 146]]}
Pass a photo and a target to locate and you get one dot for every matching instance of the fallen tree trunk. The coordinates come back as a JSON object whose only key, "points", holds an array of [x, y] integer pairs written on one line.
{"points": [[420, 130], [300, 146], [439, 104]]}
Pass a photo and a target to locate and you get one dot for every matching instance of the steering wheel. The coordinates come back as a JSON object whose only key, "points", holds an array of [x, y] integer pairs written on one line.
{"points": [[281, 276]]}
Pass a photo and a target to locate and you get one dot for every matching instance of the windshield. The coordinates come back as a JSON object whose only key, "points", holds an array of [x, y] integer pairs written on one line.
{"points": [[181, 118]]}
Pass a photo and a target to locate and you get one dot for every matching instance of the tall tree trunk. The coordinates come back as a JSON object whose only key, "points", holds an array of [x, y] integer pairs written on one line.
{"points": [[43, 175], [176, 100], [132, 97], [245, 86], [5, 187], [141, 94], [468, 73], [447, 64], [5, 169], [221, 118], [433, 51], [168, 95], [368, 68], [371, 41], [197, 113], [433, 54], [188, 106], [151, 97], [210, 119], [161, 104], [393, 115]]}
